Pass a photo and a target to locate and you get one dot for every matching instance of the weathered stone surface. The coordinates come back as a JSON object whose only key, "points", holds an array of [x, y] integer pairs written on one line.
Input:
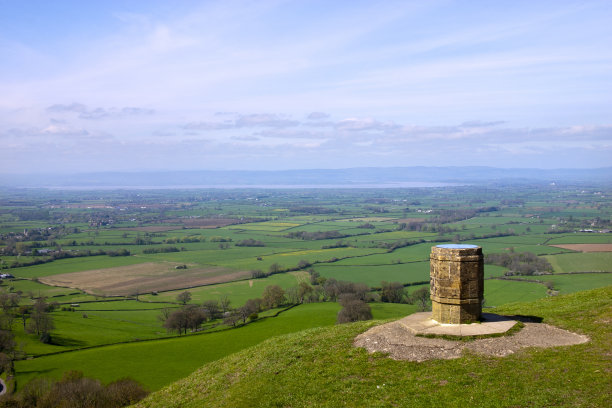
{"points": [[456, 283]]}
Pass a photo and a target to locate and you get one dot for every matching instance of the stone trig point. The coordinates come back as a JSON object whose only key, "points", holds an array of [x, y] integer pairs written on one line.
{"points": [[456, 290], [456, 283]]}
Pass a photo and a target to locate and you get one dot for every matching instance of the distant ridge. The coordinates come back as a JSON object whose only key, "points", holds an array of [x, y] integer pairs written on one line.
{"points": [[349, 177]]}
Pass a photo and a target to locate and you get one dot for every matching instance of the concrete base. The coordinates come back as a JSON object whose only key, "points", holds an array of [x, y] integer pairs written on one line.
{"points": [[422, 323]]}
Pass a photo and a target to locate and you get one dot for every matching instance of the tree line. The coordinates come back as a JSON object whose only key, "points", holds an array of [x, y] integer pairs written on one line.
{"points": [[352, 296]]}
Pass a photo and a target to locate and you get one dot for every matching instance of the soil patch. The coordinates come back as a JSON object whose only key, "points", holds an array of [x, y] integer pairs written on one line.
{"points": [[586, 247], [153, 228], [204, 222], [411, 220], [142, 278], [401, 344]]}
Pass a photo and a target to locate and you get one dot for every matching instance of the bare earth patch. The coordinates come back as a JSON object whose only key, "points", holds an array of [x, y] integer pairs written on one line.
{"points": [[409, 220], [586, 247], [402, 344], [142, 278], [152, 228], [204, 222]]}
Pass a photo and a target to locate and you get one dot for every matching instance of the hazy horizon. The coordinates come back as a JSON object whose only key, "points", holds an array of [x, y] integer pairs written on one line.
{"points": [[274, 85]]}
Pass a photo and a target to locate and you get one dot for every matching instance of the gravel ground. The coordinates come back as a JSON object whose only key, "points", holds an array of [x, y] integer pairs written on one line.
{"points": [[401, 344]]}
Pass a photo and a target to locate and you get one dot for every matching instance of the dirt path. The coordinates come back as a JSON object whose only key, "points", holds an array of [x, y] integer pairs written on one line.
{"points": [[401, 344]]}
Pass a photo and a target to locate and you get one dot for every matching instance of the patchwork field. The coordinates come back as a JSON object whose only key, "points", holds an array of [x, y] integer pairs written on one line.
{"points": [[74, 257], [586, 247], [203, 222], [140, 278]]}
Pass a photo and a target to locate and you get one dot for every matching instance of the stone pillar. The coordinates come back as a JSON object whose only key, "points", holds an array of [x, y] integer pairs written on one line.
{"points": [[456, 283]]}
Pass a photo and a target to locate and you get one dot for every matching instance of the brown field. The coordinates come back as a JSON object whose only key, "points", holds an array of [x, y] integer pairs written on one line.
{"points": [[152, 228], [142, 278], [204, 222], [409, 220], [587, 247], [370, 219]]}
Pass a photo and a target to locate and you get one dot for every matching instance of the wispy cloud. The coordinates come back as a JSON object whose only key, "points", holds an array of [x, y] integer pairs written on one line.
{"points": [[98, 113], [235, 83]]}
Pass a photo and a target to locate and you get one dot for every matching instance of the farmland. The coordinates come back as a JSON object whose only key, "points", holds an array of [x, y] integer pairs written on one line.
{"points": [[114, 262]]}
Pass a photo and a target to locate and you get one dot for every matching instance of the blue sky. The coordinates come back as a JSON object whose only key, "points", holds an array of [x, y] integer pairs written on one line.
{"points": [[185, 85]]}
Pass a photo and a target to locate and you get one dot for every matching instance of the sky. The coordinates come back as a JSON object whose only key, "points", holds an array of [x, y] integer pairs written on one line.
{"points": [[268, 85]]}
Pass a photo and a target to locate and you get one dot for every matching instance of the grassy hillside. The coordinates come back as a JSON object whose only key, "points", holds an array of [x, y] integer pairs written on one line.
{"points": [[160, 362], [320, 367]]}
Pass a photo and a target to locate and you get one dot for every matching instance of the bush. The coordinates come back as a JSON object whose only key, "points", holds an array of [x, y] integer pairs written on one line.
{"points": [[353, 309], [76, 391], [250, 243]]}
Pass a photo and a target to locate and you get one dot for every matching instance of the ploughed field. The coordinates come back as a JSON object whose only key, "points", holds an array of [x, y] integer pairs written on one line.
{"points": [[114, 272], [586, 247], [142, 278]]}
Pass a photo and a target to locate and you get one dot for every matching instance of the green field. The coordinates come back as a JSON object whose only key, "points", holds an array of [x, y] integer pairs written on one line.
{"points": [[582, 262], [499, 292], [237, 292], [157, 363]]}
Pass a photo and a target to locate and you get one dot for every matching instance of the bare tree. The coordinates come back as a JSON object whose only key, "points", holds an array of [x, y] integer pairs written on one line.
{"points": [[353, 309], [40, 321], [224, 302], [273, 296], [211, 309], [304, 290], [184, 297], [421, 298], [392, 292]]}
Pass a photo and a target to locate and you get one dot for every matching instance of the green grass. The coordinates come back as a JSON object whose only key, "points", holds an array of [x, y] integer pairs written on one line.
{"points": [[36, 289], [321, 368], [575, 282], [373, 275], [499, 292], [581, 262], [592, 238], [238, 292], [156, 363]]}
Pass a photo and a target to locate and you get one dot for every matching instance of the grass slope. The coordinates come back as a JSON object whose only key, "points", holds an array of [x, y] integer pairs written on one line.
{"points": [[158, 363], [321, 368]]}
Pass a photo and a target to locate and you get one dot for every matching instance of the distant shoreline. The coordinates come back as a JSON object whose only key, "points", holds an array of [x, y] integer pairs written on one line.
{"points": [[403, 184]]}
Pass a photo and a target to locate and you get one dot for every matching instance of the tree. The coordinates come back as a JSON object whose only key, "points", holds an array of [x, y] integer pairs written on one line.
{"points": [[275, 268], [24, 312], [421, 298], [224, 302], [181, 320], [273, 296], [292, 295], [304, 290], [232, 318], [40, 321], [211, 309], [353, 309], [251, 306], [177, 322], [184, 297], [392, 292], [165, 312], [76, 391]]}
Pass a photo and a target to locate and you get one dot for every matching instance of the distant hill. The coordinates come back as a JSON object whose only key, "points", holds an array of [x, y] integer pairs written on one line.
{"points": [[321, 368], [352, 177]]}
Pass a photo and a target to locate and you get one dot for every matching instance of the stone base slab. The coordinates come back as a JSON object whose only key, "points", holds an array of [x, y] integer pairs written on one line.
{"points": [[422, 323]]}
